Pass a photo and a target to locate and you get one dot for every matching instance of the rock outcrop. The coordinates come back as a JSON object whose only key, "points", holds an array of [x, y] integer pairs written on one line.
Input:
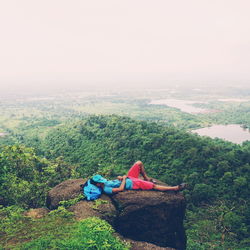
{"points": [[146, 216], [106, 210], [64, 191], [151, 216]]}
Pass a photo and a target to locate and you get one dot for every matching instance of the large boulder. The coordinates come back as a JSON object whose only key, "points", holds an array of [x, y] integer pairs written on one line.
{"points": [[70, 189], [64, 191], [147, 216], [152, 216]]}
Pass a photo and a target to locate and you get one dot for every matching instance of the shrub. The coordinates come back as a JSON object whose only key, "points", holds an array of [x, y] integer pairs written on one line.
{"points": [[91, 233]]}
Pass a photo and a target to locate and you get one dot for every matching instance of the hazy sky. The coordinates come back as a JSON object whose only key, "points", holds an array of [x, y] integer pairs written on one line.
{"points": [[58, 42]]}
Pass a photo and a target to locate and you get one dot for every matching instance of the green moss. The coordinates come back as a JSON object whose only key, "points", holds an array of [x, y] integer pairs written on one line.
{"points": [[98, 203], [71, 202]]}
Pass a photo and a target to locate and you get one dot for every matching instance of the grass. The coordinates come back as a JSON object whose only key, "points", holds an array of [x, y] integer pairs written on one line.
{"points": [[16, 228], [57, 230]]}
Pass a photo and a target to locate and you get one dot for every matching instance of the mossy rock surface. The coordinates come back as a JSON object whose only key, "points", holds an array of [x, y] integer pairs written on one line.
{"points": [[64, 191], [102, 208]]}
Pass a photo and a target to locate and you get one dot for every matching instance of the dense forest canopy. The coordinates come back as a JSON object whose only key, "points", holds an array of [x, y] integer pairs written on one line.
{"points": [[217, 171]]}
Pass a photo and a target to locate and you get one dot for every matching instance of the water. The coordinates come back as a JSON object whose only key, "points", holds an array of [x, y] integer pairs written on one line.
{"points": [[183, 105], [234, 132]]}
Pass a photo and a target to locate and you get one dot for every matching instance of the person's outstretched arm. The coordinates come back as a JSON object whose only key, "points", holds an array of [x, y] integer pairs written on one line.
{"points": [[122, 186]]}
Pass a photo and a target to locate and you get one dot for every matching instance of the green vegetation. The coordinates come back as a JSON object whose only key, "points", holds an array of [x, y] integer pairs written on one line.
{"points": [[57, 230], [71, 202], [48, 141], [209, 166], [91, 233], [25, 177], [15, 228], [217, 171], [27, 120], [229, 113]]}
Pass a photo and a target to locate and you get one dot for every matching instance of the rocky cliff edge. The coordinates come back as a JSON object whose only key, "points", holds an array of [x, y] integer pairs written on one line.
{"points": [[144, 217]]}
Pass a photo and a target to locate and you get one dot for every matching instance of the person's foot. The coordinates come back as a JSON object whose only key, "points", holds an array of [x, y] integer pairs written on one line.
{"points": [[182, 186], [153, 181], [150, 179]]}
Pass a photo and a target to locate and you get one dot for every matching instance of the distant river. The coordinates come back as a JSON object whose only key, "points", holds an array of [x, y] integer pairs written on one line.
{"points": [[183, 105], [234, 132]]}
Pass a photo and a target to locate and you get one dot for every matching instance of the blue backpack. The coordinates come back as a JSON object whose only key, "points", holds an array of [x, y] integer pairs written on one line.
{"points": [[91, 192]]}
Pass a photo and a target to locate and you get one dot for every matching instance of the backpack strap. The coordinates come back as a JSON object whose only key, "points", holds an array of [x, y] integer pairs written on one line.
{"points": [[84, 185], [82, 188]]}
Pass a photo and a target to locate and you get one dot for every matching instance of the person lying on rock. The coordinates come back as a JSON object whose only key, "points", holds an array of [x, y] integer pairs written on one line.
{"points": [[132, 181]]}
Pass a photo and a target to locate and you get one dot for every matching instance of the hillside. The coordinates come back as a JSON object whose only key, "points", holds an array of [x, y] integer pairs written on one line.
{"points": [[217, 171]]}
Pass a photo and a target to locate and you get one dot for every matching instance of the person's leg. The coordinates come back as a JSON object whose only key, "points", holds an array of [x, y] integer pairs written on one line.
{"points": [[147, 185], [141, 184], [135, 170], [167, 188], [143, 172], [138, 169]]}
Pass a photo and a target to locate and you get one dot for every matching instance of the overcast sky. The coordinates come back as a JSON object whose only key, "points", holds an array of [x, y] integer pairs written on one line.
{"points": [[62, 42]]}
